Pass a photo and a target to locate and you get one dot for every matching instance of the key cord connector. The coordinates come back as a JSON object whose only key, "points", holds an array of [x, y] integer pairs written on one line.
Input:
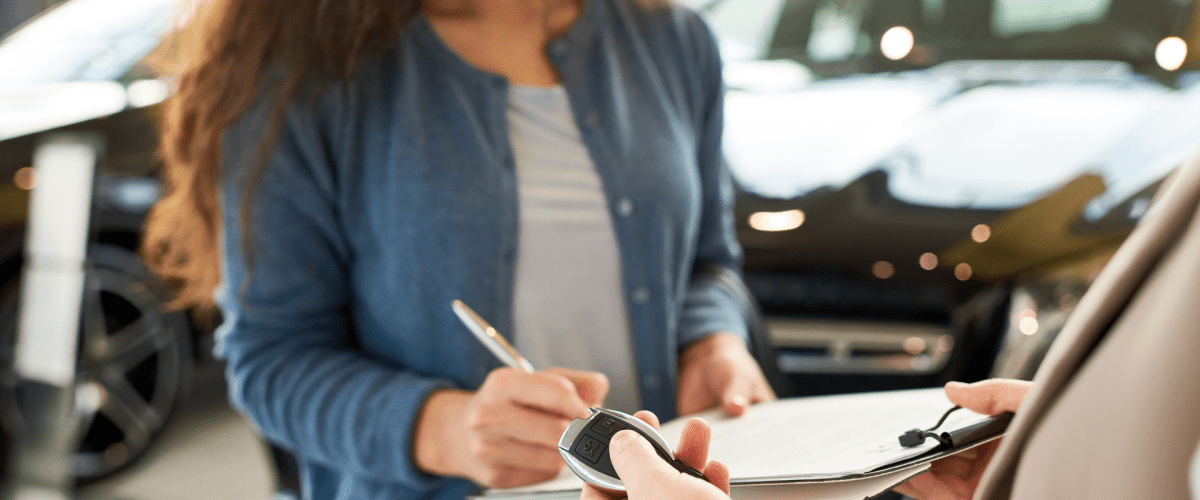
{"points": [[916, 437]]}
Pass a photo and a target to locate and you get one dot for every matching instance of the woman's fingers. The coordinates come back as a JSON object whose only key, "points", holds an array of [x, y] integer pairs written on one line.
{"points": [[518, 423], [591, 386], [735, 397], [513, 423], [507, 453]]}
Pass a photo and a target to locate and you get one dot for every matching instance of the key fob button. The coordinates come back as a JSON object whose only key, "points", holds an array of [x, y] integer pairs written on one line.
{"points": [[590, 449], [607, 426], [584, 446]]}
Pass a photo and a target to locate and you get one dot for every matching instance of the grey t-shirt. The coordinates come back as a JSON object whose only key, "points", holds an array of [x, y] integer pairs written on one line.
{"points": [[568, 306]]}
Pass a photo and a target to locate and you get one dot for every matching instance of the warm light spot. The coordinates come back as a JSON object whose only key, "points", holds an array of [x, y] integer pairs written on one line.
{"points": [[945, 343], [24, 178], [116, 454], [962, 271], [1028, 326], [1028, 313], [883, 270], [981, 233], [914, 345], [1171, 53], [777, 221], [928, 261], [896, 43]]}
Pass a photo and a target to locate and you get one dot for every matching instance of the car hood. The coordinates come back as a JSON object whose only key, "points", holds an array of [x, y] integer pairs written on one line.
{"points": [[952, 142], [781, 144]]}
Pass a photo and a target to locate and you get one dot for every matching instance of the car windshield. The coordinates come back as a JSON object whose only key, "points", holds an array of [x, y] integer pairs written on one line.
{"points": [[86, 40], [841, 37]]}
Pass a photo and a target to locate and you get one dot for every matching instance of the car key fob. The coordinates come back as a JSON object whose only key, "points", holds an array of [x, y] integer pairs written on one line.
{"points": [[584, 446]]}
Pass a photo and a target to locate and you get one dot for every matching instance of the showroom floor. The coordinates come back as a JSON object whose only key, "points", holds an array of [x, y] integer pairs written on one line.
{"points": [[206, 452]]}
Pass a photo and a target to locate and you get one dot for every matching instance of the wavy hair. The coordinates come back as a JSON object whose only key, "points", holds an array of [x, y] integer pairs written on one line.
{"points": [[218, 62]]}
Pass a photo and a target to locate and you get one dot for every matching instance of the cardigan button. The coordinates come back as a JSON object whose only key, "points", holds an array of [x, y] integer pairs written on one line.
{"points": [[625, 207], [651, 381], [560, 47], [641, 295]]}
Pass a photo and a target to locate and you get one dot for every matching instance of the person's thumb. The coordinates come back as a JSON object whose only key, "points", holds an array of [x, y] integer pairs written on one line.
{"points": [[635, 461], [989, 397]]}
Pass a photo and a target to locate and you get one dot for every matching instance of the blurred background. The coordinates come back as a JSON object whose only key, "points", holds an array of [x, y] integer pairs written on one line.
{"points": [[926, 188]]}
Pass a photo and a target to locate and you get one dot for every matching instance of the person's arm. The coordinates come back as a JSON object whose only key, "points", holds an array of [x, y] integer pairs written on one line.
{"points": [[956, 477], [292, 362], [716, 367]]}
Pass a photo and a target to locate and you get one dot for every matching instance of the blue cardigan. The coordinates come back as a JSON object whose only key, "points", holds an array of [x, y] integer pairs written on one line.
{"points": [[390, 196]]}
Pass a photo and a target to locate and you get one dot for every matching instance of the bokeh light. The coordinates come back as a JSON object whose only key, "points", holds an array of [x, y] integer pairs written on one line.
{"points": [[1028, 325], [928, 261], [981, 233], [962, 271], [914, 345], [24, 178], [883, 270], [777, 221], [1171, 53], [897, 43]]}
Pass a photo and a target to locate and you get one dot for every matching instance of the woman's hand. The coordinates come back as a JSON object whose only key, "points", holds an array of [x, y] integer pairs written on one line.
{"points": [[505, 434], [647, 476], [956, 477], [718, 370]]}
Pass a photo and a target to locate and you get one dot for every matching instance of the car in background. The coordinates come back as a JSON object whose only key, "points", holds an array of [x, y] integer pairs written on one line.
{"points": [[927, 187], [80, 67]]}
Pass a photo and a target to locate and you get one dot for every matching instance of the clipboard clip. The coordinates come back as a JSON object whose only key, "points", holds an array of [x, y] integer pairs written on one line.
{"points": [[961, 437]]}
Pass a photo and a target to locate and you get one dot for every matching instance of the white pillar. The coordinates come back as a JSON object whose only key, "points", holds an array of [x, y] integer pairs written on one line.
{"points": [[48, 324]]}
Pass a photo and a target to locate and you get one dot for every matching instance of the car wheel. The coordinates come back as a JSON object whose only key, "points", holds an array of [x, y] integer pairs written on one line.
{"points": [[135, 360]]}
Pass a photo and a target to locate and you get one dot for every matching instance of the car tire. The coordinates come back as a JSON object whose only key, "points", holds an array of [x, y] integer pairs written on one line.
{"points": [[134, 361]]}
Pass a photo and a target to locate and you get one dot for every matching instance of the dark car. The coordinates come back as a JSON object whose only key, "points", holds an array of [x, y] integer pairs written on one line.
{"points": [[79, 68], [926, 187]]}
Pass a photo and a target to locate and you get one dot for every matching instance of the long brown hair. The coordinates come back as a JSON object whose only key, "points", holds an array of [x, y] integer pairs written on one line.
{"points": [[219, 61]]}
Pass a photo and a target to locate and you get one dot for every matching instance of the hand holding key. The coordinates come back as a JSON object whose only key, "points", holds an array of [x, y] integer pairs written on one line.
{"points": [[646, 475]]}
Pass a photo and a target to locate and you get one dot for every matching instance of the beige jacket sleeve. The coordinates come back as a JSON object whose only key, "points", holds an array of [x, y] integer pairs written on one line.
{"points": [[1115, 410]]}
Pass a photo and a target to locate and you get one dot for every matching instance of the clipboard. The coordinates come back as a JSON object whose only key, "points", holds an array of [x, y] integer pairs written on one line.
{"points": [[820, 448]]}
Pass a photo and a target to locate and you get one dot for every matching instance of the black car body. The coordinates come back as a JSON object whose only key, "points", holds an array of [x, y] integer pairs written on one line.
{"points": [[925, 188]]}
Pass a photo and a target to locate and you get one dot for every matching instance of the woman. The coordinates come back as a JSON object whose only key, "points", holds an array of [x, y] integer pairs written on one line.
{"points": [[554, 164]]}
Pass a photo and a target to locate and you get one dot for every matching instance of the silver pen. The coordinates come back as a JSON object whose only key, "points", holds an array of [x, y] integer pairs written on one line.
{"points": [[491, 338]]}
